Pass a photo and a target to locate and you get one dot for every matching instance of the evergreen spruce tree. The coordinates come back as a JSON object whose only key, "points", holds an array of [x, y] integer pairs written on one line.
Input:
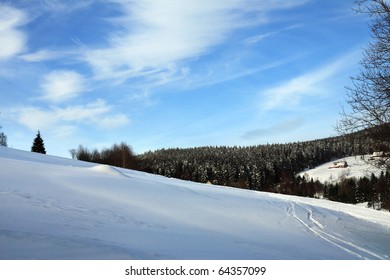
{"points": [[38, 145], [3, 137]]}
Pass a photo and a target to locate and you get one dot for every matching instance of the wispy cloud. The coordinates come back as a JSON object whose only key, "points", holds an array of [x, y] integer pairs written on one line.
{"points": [[62, 85], [13, 40], [290, 93], [98, 113], [258, 38], [41, 55], [66, 5], [154, 36], [279, 128], [113, 121], [225, 74]]}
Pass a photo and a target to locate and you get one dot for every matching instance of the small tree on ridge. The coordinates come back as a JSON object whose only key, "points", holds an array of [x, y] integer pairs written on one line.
{"points": [[38, 145]]}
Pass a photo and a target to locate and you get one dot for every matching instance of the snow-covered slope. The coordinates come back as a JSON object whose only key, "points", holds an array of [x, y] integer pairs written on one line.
{"points": [[55, 208], [357, 166]]}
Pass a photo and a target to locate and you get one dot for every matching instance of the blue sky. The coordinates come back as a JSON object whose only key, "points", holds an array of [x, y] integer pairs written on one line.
{"points": [[175, 73]]}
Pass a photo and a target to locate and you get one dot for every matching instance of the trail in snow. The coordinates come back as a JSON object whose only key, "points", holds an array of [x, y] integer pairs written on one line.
{"points": [[313, 225]]}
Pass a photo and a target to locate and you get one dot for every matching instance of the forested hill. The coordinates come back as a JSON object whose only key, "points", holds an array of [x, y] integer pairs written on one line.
{"points": [[259, 167]]}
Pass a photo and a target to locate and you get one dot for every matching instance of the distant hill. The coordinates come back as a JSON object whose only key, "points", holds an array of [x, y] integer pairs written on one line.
{"points": [[275, 168], [259, 167]]}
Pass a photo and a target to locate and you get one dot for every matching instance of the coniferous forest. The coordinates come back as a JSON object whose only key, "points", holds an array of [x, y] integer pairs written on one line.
{"points": [[271, 167], [256, 167]]}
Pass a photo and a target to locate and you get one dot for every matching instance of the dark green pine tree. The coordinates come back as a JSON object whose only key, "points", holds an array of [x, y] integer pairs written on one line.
{"points": [[38, 145], [3, 137]]}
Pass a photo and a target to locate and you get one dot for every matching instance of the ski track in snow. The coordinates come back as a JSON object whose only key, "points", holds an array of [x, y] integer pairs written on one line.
{"points": [[307, 219]]}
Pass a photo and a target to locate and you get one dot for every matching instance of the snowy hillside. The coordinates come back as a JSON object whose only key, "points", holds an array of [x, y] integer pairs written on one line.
{"points": [[334, 171], [55, 208]]}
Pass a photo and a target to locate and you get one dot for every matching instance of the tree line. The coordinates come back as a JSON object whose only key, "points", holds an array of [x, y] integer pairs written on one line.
{"points": [[120, 155], [271, 167], [373, 190], [274, 168], [259, 167]]}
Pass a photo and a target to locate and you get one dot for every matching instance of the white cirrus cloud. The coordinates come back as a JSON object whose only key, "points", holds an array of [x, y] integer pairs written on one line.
{"points": [[62, 85], [12, 39], [66, 5], [41, 55], [113, 121], [154, 35], [97, 113], [290, 93], [275, 129]]}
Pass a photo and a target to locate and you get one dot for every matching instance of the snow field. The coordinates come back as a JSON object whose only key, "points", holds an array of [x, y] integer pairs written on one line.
{"points": [[56, 208], [358, 166]]}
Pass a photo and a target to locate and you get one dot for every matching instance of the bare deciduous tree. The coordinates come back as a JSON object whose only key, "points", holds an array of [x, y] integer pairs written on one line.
{"points": [[369, 95]]}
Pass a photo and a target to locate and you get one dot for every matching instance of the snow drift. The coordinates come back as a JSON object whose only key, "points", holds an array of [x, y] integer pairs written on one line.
{"points": [[56, 208]]}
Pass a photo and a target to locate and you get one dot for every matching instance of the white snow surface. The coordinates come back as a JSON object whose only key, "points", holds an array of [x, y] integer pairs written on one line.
{"points": [[56, 208], [358, 167]]}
